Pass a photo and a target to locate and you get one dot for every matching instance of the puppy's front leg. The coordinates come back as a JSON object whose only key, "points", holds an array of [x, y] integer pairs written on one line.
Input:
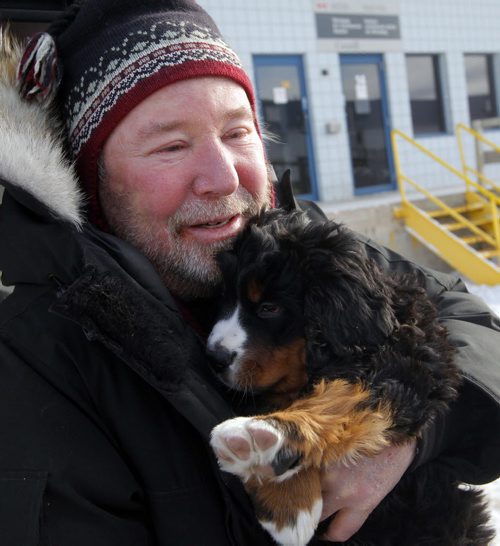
{"points": [[279, 456]]}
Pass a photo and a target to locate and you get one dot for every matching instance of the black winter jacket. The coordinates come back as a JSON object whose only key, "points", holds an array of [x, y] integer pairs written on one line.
{"points": [[105, 405], [105, 400]]}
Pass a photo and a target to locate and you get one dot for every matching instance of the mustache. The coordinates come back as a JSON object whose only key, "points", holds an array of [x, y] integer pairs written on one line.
{"points": [[202, 211]]}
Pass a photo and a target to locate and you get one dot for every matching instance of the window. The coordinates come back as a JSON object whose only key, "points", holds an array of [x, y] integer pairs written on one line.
{"points": [[426, 102], [281, 89], [480, 86]]}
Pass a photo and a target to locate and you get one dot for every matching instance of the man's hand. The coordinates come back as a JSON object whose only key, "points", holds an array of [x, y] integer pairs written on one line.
{"points": [[354, 491]]}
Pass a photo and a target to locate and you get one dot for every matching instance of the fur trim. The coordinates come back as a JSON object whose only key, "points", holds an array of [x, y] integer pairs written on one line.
{"points": [[31, 151]]}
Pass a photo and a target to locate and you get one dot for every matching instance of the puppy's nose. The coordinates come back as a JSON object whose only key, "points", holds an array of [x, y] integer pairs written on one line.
{"points": [[221, 357]]}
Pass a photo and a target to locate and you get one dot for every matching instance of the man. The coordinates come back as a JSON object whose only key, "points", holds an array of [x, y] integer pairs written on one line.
{"points": [[106, 402]]}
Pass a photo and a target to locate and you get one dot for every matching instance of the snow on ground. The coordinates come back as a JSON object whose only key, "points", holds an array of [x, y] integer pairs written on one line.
{"points": [[491, 295], [492, 491]]}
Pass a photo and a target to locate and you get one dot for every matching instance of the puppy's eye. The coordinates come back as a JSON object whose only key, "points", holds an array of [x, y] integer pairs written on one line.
{"points": [[268, 310]]}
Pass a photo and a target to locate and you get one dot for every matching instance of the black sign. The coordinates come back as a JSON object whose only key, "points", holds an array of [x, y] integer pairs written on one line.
{"points": [[353, 26]]}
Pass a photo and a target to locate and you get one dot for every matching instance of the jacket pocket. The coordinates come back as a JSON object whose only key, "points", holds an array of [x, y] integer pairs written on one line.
{"points": [[187, 517], [21, 494]]}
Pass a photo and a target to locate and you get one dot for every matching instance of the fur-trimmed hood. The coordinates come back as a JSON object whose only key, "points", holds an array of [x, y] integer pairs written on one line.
{"points": [[32, 155]]}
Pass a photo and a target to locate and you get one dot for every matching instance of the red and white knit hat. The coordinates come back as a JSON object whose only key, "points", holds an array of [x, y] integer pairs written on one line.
{"points": [[115, 53]]}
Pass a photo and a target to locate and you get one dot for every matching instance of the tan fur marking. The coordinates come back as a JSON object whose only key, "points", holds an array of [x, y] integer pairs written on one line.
{"points": [[254, 291], [287, 497], [283, 369], [335, 425]]}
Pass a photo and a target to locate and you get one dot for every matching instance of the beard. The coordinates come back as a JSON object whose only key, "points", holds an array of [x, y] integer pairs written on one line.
{"points": [[187, 267]]}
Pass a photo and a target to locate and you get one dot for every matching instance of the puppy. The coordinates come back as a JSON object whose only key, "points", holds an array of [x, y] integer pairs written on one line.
{"points": [[345, 361]]}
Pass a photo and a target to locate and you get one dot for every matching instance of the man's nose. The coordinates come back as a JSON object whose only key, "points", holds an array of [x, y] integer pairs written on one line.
{"points": [[216, 173]]}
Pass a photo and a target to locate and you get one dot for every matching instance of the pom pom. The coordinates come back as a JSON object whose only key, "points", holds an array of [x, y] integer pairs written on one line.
{"points": [[39, 72]]}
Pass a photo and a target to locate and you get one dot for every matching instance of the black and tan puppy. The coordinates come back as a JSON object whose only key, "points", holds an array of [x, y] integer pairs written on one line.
{"points": [[346, 361]]}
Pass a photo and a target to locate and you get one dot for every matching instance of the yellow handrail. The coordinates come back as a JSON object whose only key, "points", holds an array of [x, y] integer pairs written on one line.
{"points": [[493, 199], [496, 227], [451, 212], [396, 132], [459, 128]]}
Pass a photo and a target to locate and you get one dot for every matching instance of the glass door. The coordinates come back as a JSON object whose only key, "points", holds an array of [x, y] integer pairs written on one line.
{"points": [[367, 119], [283, 106]]}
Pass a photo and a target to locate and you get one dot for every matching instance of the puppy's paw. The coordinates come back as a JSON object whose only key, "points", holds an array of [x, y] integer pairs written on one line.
{"points": [[249, 447], [300, 528]]}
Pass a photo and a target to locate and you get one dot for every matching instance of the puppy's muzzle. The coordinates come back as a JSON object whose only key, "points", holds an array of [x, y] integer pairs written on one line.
{"points": [[221, 357]]}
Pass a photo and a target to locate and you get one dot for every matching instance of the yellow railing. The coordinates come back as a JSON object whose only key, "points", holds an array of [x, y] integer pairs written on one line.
{"points": [[468, 169], [487, 195]]}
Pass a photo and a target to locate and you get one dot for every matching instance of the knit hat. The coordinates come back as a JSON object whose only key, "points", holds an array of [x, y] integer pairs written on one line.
{"points": [[115, 53]]}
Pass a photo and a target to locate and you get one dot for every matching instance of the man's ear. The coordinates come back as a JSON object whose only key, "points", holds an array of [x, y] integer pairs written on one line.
{"points": [[284, 193]]}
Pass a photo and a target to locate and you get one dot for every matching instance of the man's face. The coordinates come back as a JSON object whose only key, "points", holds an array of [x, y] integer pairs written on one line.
{"points": [[183, 171]]}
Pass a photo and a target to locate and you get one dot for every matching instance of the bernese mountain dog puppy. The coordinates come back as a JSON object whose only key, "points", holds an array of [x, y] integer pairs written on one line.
{"points": [[342, 360]]}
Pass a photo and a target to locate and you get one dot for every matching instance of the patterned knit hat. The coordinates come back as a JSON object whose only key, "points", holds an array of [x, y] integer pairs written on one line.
{"points": [[115, 53]]}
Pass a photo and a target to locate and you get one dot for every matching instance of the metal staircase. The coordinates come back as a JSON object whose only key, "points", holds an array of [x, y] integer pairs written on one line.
{"points": [[464, 234]]}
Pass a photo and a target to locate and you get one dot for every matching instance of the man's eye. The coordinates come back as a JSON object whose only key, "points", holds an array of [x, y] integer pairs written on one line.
{"points": [[268, 310], [171, 148], [237, 133]]}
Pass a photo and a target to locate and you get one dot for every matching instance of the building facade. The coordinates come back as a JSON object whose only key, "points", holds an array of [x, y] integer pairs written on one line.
{"points": [[334, 77]]}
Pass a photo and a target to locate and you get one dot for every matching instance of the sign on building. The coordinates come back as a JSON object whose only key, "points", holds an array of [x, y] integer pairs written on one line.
{"points": [[358, 25]]}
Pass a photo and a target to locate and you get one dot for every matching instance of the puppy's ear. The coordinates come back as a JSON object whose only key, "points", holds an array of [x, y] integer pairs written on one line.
{"points": [[284, 193], [347, 304]]}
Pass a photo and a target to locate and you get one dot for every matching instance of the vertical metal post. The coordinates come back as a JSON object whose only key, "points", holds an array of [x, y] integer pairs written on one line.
{"points": [[397, 165]]}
